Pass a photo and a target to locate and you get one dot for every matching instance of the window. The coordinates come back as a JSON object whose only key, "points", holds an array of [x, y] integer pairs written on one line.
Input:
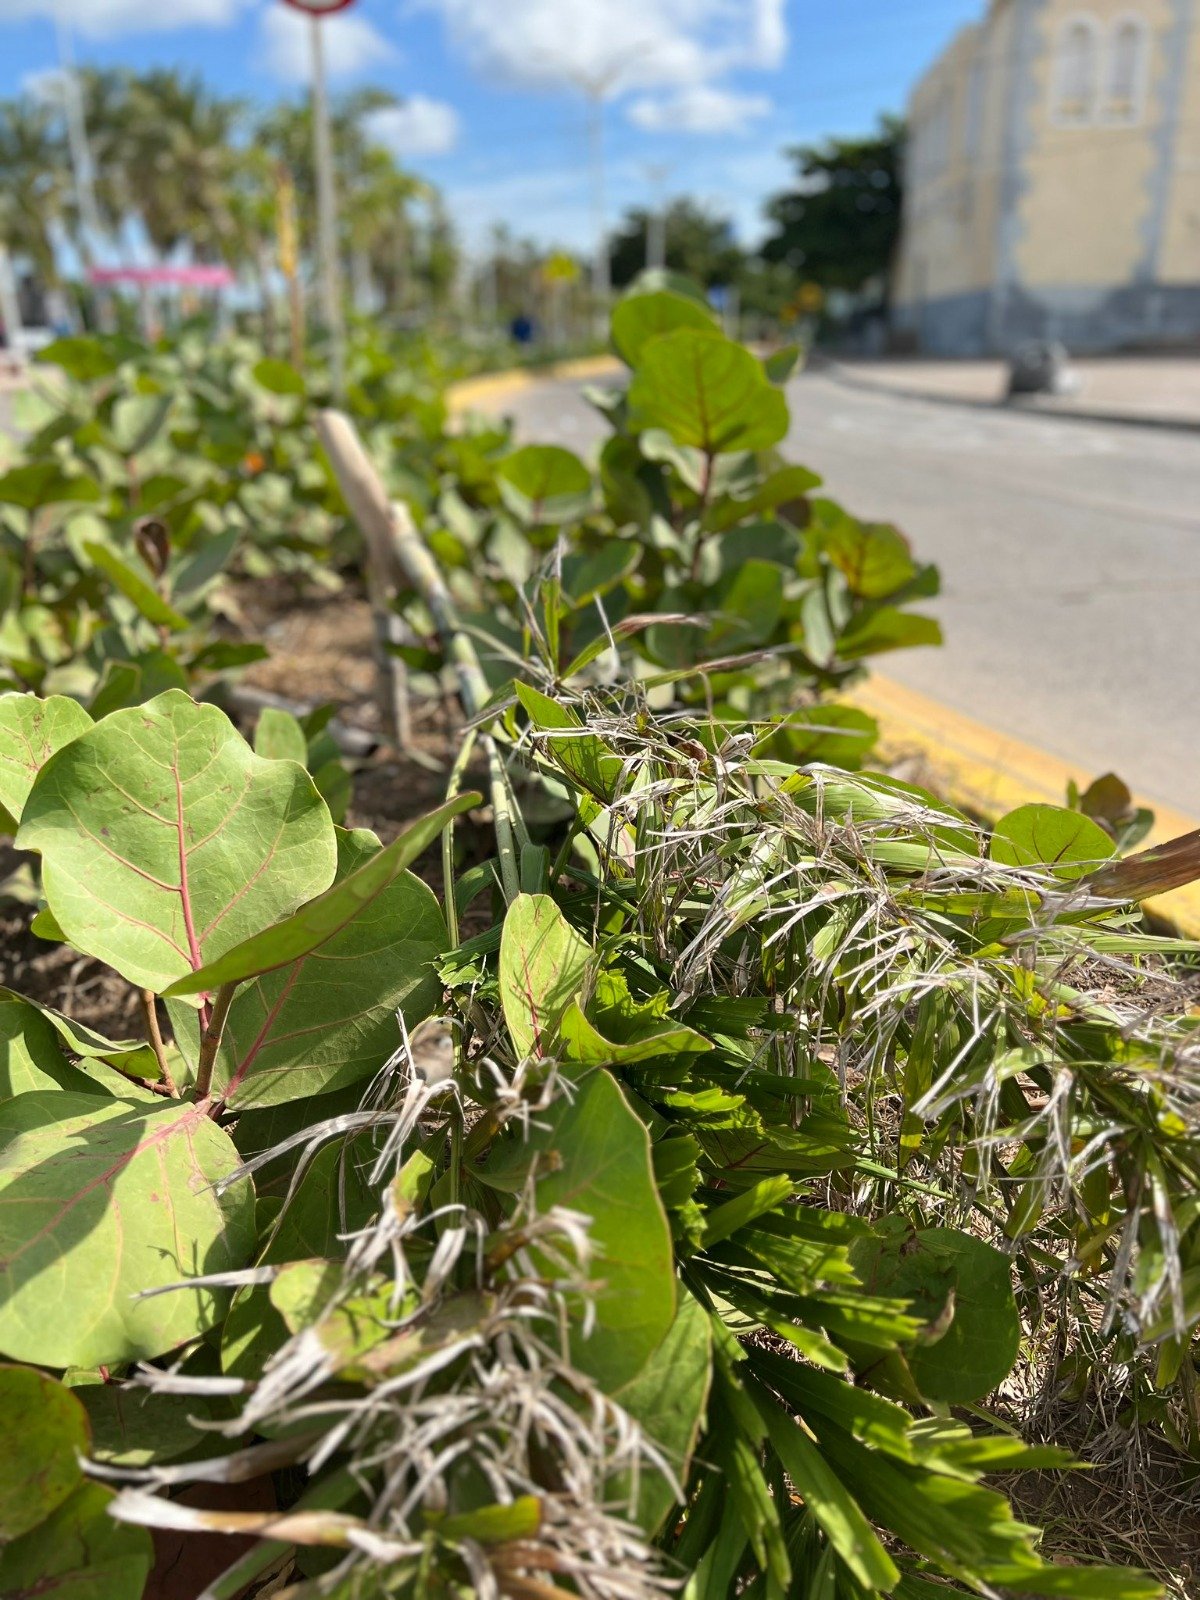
{"points": [[1125, 73], [1076, 61]]}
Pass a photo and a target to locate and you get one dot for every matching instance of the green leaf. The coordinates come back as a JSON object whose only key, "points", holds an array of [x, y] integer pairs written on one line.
{"points": [[668, 1399], [888, 628], [962, 1288], [79, 1553], [586, 758], [1065, 842], [278, 377], [781, 487], [136, 586], [326, 1017], [100, 1201], [137, 420], [31, 730], [47, 1431], [588, 574], [322, 919], [204, 563], [600, 1166], [132, 1426], [583, 1042], [279, 737], [45, 483], [544, 964], [642, 316], [780, 364], [707, 392], [840, 736], [83, 358], [166, 842], [30, 1057], [828, 1498], [747, 606], [874, 557], [545, 483]]}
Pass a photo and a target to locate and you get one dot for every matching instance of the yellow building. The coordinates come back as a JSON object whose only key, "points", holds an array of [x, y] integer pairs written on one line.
{"points": [[1053, 180]]}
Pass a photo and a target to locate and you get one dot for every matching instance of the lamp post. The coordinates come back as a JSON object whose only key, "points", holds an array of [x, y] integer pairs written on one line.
{"points": [[327, 243]]}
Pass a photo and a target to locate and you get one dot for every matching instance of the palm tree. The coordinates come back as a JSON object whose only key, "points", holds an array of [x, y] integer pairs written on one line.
{"points": [[179, 147], [33, 183]]}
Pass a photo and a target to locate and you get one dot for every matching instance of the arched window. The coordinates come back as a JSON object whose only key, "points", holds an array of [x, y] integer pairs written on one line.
{"points": [[1075, 71], [1125, 74]]}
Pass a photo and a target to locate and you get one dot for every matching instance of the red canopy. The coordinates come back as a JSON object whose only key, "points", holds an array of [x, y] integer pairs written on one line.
{"points": [[180, 277]]}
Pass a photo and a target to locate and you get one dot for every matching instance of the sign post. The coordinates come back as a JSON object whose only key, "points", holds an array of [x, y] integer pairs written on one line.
{"points": [[327, 242]]}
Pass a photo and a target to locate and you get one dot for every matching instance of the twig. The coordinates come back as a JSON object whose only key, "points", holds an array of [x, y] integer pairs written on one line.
{"points": [[154, 1034], [392, 537], [211, 1042]]}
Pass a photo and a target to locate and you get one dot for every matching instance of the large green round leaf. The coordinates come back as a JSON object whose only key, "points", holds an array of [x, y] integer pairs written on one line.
{"points": [[706, 391], [545, 483], [166, 841], [133, 1426], [668, 1399], [100, 1200], [962, 1286], [328, 1018], [642, 316], [47, 1431], [31, 730], [543, 966], [79, 1553], [596, 1160], [1066, 843]]}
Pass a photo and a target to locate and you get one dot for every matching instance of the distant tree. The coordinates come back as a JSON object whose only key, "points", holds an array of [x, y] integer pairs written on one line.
{"points": [[839, 225], [698, 244], [33, 172]]}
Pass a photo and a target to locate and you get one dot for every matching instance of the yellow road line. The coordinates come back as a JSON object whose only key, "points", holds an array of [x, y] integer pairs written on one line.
{"points": [[491, 388], [989, 772]]}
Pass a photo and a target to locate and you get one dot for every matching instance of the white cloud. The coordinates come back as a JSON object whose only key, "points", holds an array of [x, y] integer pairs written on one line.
{"points": [[106, 18], [352, 44], [699, 108], [418, 127], [618, 45]]}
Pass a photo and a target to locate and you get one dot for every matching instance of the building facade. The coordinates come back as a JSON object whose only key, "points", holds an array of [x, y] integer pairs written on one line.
{"points": [[1053, 181]]}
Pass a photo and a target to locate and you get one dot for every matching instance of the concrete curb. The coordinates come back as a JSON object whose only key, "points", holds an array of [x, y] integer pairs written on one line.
{"points": [[1009, 408], [490, 388], [989, 772]]}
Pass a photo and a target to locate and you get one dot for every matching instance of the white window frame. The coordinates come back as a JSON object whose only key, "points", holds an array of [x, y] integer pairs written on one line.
{"points": [[1086, 115], [1134, 110]]}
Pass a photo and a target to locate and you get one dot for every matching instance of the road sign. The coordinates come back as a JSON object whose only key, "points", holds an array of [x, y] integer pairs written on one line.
{"points": [[319, 8]]}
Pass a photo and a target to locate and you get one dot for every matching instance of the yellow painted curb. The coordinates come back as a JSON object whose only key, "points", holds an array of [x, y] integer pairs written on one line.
{"points": [[491, 388], [988, 772]]}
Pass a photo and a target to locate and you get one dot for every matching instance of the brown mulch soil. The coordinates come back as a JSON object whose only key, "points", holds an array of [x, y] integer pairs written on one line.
{"points": [[322, 651]]}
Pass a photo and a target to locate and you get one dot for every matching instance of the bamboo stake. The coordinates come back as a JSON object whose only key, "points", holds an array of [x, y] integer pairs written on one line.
{"points": [[394, 544], [369, 506]]}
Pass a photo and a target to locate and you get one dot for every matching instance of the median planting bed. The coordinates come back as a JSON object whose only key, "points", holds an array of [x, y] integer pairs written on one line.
{"points": [[677, 1156]]}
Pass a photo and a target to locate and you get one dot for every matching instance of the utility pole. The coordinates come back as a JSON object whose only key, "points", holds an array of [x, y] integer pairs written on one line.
{"points": [[329, 266], [656, 217], [82, 165], [601, 274], [327, 243]]}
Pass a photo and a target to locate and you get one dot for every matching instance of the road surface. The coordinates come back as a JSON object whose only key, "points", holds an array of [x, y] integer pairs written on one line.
{"points": [[1070, 557]]}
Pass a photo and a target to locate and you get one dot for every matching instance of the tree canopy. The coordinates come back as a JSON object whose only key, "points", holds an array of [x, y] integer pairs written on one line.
{"points": [[698, 243], [838, 226]]}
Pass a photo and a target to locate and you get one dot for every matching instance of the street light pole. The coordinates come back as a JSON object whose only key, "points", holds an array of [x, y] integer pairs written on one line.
{"points": [[601, 272], [656, 219], [327, 243]]}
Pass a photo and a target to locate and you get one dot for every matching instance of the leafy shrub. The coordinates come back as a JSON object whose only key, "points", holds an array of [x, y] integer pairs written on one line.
{"points": [[674, 1229]]}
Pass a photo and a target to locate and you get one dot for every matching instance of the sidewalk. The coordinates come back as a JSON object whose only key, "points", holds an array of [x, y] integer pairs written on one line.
{"points": [[1156, 390]]}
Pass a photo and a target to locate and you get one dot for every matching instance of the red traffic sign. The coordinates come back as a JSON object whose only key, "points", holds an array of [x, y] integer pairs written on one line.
{"points": [[319, 8]]}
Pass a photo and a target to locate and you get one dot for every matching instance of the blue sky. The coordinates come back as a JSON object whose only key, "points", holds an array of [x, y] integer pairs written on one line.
{"points": [[709, 92]]}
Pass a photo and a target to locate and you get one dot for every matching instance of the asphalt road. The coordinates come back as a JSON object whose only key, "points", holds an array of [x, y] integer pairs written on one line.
{"points": [[1070, 557]]}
